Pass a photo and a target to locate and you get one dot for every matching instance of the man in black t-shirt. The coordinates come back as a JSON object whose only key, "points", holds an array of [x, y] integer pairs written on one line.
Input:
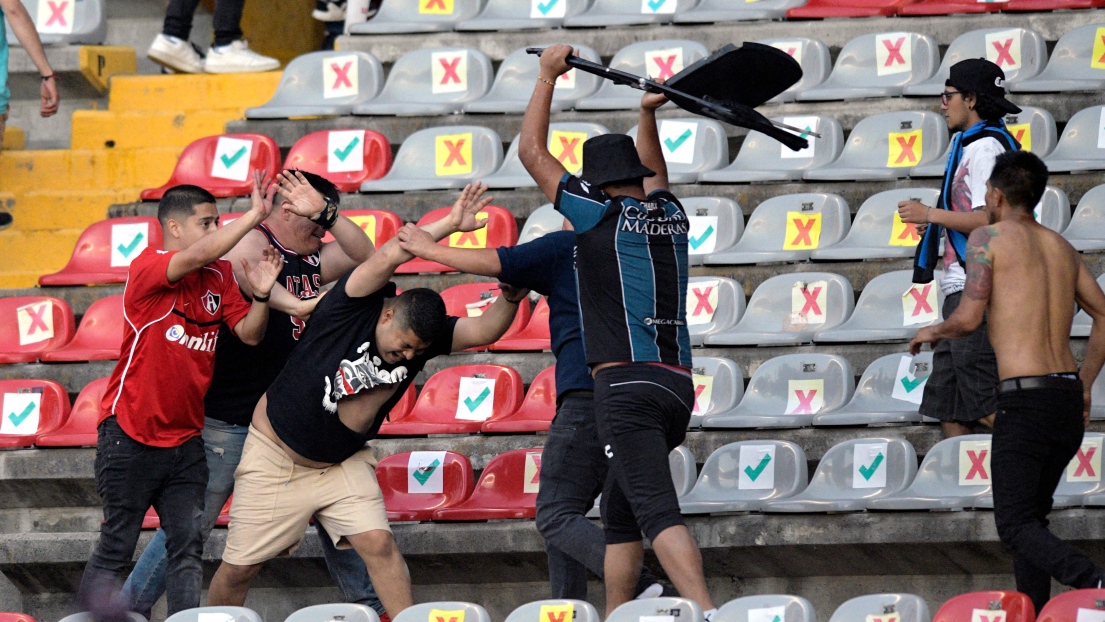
{"points": [[305, 454]]}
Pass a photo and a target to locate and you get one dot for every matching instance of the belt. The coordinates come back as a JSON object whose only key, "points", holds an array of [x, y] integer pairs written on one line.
{"points": [[1039, 382]]}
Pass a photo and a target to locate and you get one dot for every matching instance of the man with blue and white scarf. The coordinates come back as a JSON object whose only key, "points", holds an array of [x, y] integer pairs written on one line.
{"points": [[961, 392]]}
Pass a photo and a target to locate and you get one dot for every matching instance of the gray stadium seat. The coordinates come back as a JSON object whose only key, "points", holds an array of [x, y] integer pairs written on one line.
{"points": [[709, 11], [539, 611], [216, 614], [565, 142], [716, 224], [1086, 231], [65, 23], [1053, 210], [887, 146], [1033, 127], [421, 611], [1081, 482], [432, 81], [878, 65], [787, 391], [718, 387], [852, 474], [1072, 66], [762, 158], [767, 607], [690, 146], [740, 477], [657, 59], [324, 84], [403, 16], [891, 308], [789, 309], [909, 608], [877, 232], [1020, 52], [812, 55], [346, 612], [1082, 322], [888, 392], [1097, 398], [544, 219], [86, 616], [714, 304], [788, 228], [682, 609], [627, 12], [517, 76], [954, 475], [684, 470], [442, 158], [1082, 146], [523, 15]]}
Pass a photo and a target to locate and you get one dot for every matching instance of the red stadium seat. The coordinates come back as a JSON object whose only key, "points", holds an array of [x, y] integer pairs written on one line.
{"points": [[1017, 607], [472, 299], [501, 230], [79, 429], [820, 9], [224, 514], [104, 251], [1051, 5], [1065, 606], [152, 521], [507, 489], [535, 336], [11, 616], [407, 501], [29, 407], [222, 164], [333, 158], [950, 7], [489, 390], [380, 225], [536, 412], [405, 404], [99, 335], [31, 325]]}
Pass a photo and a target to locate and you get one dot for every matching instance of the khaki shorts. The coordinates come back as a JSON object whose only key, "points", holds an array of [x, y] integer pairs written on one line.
{"points": [[274, 499]]}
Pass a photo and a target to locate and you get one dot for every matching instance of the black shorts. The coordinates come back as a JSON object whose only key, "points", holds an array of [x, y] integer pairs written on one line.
{"points": [[642, 413], [964, 380]]}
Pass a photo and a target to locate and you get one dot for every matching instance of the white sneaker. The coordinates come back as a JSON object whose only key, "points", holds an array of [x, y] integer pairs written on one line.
{"points": [[237, 58], [175, 54], [329, 10]]}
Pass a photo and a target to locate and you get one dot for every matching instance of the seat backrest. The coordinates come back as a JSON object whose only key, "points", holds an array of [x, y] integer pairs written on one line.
{"points": [[438, 75], [223, 165], [458, 151], [565, 143], [328, 78], [101, 326], [215, 614], [544, 13], [864, 468], [1083, 473], [519, 70], [560, 610], [883, 608], [79, 428], [86, 616], [544, 219], [345, 157], [955, 467], [1082, 137], [799, 302], [682, 609], [718, 385], [33, 324], [30, 407], [66, 21], [799, 384], [468, 392], [632, 7], [691, 145], [501, 229], [509, 480], [811, 54], [1088, 220], [877, 222], [798, 222], [893, 383], [106, 248], [379, 225], [655, 59], [752, 470], [760, 152], [1053, 210], [540, 401], [1020, 52], [1078, 54], [893, 300], [895, 140], [1017, 607], [767, 608], [11, 616], [1034, 128], [715, 223], [472, 299], [714, 304], [424, 480], [1068, 606], [346, 612], [445, 12], [886, 59], [684, 470]]}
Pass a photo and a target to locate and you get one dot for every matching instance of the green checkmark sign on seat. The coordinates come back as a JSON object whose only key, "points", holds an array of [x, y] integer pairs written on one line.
{"points": [[678, 142], [344, 153], [473, 404], [696, 242], [777, 619], [21, 417], [910, 385], [228, 161], [545, 7], [754, 473], [868, 471], [422, 474], [126, 250]]}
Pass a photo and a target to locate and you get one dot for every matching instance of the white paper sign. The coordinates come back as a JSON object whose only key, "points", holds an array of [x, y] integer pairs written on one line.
{"points": [[345, 151], [703, 391], [566, 80], [1003, 48], [1101, 130], [701, 234], [757, 468], [425, 472], [656, 619], [658, 7], [214, 617], [893, 53], [449, 71], [677, 140], [21, 413], [809, 124], [805, 397], [974, 463], [908, 387], [869, 465], [35, 321], [920, 305], [1090, 615], [663, 64], [809, 302], [793, 48], [232, 158], [985, 615], [1086, 464], [768, 614], [532, 475], [56, 16], [476, 401], [548, 8], [127, 242], [339, 76], [701, 302]]}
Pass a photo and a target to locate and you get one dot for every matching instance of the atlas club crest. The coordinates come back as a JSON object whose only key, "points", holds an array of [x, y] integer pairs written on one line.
{"points": [[211, 302]]}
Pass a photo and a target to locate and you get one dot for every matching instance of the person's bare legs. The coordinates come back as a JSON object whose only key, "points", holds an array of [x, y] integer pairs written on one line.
{"points": [[622, 568], [230, 585], [386, 568], [952, 429], [682, 561], [987, 421]]}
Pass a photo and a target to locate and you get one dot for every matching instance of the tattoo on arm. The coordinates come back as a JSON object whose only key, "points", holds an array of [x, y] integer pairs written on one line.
{"points": [[980, 264]]}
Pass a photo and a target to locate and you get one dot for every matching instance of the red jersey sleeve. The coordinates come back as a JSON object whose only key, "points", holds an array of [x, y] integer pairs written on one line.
{"points": [[235, 306], [148, 283]]}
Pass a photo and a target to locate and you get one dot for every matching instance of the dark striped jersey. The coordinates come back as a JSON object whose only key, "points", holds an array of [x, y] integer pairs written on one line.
{"points": [[631, 272]]}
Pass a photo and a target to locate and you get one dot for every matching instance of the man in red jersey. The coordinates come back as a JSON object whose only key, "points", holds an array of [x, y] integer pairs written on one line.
{"points": [[149, 449]]}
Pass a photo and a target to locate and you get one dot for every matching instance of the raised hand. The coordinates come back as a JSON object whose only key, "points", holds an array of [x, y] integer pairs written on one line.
{"points": [[262, 277], [415, 240], [302, 197], [262, 195], [469, 203], [652, 101]]}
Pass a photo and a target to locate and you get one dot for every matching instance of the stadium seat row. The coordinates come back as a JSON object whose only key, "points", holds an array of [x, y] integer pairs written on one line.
{"points": [[65, 22]]}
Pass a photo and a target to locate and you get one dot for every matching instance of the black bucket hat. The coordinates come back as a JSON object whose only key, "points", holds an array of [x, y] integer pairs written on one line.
{"points": [[610, 158], [981, 77]]}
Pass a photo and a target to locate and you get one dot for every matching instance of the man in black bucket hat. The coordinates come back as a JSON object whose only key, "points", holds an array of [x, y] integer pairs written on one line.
{"points": [[631, 270]]}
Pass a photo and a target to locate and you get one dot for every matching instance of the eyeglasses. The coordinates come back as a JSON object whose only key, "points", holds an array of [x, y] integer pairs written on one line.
{"points": [[947, 94]]}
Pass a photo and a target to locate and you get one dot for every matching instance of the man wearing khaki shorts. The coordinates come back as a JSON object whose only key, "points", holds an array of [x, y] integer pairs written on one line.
{"points": [[305, 453]]}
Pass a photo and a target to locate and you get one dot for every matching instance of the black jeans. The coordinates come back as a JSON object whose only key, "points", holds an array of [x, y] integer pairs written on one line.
{"points": [[228, 18], [1036, 433], [573, 470], [130, 477]]}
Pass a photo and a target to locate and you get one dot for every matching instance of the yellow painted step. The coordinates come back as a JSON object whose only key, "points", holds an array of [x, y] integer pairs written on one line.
{"points": [[185, 93], [36, 252], [99, 129], [29, 171], [99, 63], [14, 138], [48, 210]]}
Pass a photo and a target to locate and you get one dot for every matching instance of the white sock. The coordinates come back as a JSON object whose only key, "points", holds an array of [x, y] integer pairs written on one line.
{"points": [[172, 39], [653, 591], [709, 614], [221, 49]]}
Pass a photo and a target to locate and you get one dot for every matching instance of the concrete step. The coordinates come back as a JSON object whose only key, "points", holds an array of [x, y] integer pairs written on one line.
{"points": [[27, 254], [52, 132], [91, 169], [190, 93], [82, 71], [142, 129]]}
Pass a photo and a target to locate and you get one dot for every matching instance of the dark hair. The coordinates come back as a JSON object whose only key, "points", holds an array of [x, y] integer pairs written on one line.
{"points": [[986, 107], [422, 311], [324, 186], [179, 202], [1022, 176]]}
